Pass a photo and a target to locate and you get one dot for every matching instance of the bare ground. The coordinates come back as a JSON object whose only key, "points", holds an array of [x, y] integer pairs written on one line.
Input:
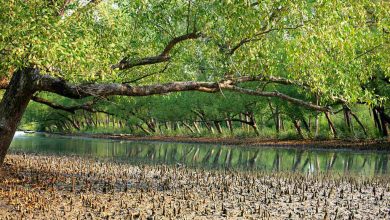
{"points": [[54, 187]]}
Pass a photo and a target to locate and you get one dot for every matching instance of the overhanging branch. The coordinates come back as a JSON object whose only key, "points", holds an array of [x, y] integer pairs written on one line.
{"points": [[78, 91], [128, 63], [272, 79], [258, 36], [147, 75], [277, 94], [88, 106]]}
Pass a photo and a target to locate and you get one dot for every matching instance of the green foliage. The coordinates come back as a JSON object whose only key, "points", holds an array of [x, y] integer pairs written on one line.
{"points": [[337, 49], [334, 46]]}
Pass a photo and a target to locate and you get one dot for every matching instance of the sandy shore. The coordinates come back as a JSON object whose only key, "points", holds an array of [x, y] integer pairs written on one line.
{"points": [[382, 145], [54, 187]]}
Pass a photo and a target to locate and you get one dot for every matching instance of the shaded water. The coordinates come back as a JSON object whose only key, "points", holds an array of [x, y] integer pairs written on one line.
{"points": [[207, 155]]}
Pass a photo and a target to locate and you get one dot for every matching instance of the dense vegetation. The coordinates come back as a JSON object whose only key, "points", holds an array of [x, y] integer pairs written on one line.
{"points": [[203, 115], [271, 65]]}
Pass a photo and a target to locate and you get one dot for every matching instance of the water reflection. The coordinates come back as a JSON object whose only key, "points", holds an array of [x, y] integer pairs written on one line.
{"points": [[209, 156]]}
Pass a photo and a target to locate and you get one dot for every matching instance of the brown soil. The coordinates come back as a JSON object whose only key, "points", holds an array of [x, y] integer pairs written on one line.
{"points": [[383, 145], [53, 187]]}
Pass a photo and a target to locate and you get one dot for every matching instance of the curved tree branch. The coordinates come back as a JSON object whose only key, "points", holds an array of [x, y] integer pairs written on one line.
{"points": [[258, 36], [283, 81], [272, 79], [78, 91], [128, 63], [277, 94], [88, 106], [147, 75]]}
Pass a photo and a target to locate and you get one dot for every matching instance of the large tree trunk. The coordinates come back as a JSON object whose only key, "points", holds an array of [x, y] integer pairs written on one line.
{"points": [[13, 105]]}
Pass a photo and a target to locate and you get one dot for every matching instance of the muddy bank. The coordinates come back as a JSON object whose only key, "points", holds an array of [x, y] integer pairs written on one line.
{"points": [[53, 187], [382, 145]]}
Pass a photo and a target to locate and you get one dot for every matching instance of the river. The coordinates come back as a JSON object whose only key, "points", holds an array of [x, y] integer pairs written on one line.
{"points": [[208, 156]]}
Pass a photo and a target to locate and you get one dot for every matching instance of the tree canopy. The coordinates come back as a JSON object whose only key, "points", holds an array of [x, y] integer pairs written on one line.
{"points": [[332, 47]]}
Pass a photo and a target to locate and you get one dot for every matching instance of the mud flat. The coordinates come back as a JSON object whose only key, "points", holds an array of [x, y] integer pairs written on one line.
{"points": [[59, 187]]}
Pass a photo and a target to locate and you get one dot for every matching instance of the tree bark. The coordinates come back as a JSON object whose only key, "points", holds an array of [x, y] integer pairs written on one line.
{"points": [[107, 120], [72, 122], [359, 122], [218, 126], [331, 125], [317, 125], [317, 119], [297, 125], [246, 116], [384, 120], [143, 129], [347, 118], [151, 125], [253, 123], [188, 126], [278, 120], [15, 100], [196, 127], [274, 116], [229, 123]]}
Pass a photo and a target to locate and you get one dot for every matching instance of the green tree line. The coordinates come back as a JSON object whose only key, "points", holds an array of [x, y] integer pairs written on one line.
{"points": [[204, 115]]}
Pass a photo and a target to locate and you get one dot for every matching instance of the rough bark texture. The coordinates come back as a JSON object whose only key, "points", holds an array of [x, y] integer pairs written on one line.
{"points": [[12, 106], [77, 91]]}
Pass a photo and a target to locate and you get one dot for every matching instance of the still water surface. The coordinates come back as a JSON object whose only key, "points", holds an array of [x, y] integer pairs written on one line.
{"points": [[210, 156]]}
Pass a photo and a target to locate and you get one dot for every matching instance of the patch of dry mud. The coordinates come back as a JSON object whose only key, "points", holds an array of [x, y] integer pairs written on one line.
{"points": [[52, 187]]}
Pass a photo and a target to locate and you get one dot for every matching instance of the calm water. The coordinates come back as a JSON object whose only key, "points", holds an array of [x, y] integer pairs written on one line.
{"points": [[208, 156]]}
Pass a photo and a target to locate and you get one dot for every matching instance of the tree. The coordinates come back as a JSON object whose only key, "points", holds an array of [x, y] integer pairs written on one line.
{"points": [[78, 49]]}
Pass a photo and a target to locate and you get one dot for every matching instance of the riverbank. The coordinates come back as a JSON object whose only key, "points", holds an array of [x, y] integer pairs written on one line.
{"points": [[51, 187], [380, 145]]}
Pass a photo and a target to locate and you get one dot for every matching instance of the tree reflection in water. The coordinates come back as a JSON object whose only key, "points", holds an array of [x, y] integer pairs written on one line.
{"points": [[210, 156]]}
